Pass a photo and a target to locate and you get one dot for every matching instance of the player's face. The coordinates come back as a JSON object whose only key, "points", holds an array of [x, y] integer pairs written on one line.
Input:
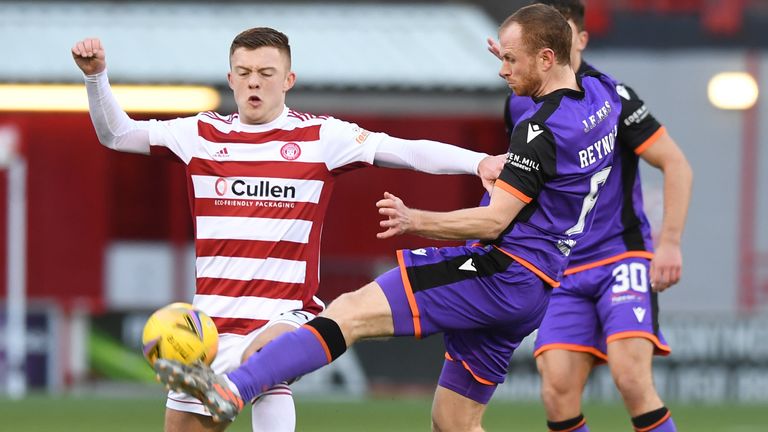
{"points": [[259, 79], [518, 66]]}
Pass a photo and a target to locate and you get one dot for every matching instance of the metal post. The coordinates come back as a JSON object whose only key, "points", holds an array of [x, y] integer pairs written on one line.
{"points": [[16, 345]]}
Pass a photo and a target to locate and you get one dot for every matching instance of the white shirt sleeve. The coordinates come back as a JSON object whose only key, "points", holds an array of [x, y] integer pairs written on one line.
{"points": [[427, 156], [119, 132], [113, 126], [346, 143], [178, 135]]}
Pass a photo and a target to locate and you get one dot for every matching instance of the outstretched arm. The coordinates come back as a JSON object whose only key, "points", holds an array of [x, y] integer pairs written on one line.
{"points": [[113, 126], [485, 223], [664, 154], [437, 158]]}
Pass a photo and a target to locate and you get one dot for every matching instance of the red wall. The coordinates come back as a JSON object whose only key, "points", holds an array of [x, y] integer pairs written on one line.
{"points": [[81, 196]]}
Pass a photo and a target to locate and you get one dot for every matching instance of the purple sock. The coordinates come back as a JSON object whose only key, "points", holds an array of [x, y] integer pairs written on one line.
{"points": [[286, 357], [667, 425]]}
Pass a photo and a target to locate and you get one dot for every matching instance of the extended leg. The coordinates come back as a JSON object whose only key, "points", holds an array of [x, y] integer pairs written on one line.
{"points": [[363, 313]]}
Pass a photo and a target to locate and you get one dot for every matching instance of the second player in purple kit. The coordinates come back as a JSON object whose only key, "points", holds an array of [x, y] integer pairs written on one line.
{"points": [[606, 309], [485, 299]]}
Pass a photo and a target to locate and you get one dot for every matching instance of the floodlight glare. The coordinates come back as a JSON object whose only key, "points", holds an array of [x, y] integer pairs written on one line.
{"points": [[732, 90], [132, 98]]}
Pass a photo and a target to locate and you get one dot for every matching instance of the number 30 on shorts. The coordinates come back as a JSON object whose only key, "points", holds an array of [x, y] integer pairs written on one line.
{"points": [[630, 276]]}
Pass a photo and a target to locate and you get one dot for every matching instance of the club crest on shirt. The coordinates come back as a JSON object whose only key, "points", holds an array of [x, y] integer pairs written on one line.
{"points": [[290, 151]]}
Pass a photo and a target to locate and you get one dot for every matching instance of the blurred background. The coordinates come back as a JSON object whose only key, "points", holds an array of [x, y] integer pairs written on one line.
{"points": [[92, 241]]}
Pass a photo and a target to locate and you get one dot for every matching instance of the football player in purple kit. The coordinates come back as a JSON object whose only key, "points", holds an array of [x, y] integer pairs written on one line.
{"points": [[606, 307], [485, 299]]}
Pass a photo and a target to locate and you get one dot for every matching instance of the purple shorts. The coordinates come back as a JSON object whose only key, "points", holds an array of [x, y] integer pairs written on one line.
{"points": [[594, 307], [482, 300]]}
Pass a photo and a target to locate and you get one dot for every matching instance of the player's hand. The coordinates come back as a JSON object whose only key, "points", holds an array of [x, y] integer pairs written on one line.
{"points": [[494, 48], [400, 219], [666, 266], [89, 56], [489, 170]]}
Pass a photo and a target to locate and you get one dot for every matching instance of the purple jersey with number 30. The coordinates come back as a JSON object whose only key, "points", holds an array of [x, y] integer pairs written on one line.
{"points": [[558, 170]]}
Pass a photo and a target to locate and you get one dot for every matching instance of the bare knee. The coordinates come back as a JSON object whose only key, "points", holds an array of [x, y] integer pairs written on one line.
{"points": [[563, 377], [362, 313], [632, 381], [630, 362], [631, 366], [345, 311], [559, 391]]}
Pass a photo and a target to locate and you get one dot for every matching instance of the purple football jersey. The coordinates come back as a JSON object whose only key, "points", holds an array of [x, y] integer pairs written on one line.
{"points": [[559, 170], [620, 224]]}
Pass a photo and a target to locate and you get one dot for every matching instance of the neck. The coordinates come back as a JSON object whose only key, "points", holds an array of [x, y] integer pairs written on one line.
{"points": [[559, 77], [268, 118], [576, 64]]}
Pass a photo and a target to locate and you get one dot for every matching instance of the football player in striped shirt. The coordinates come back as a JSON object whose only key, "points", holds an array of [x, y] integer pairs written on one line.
{"points": [[259, 182], [606, 308], [485, 298]]}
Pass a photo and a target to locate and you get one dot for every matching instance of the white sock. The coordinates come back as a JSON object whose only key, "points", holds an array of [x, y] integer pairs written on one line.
{"points": [[273, 411]]}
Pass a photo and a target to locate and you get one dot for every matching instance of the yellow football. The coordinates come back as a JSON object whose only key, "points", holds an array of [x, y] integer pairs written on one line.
{"points": [[180, 332]]}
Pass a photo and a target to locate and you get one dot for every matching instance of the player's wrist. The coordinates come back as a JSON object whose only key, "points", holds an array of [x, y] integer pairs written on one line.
{"points": [[481, 159], [672, 240], [95, 77]]}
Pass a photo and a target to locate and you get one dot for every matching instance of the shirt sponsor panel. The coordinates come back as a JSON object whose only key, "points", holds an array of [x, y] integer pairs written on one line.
{"points": [[273, 269], [260, 188], [251, 228]]}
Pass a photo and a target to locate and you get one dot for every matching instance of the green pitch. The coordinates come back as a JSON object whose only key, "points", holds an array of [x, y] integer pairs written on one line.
{"points": [[83, 414]]}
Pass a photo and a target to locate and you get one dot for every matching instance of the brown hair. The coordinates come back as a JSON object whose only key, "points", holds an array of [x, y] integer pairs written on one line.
{"points": [[543, 27], [571, 9], [259, 37]]}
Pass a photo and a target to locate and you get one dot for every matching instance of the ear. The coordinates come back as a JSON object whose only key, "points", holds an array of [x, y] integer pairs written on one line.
{"points": [[583, 38], [546, 58], [229, 80], [290, 81]]}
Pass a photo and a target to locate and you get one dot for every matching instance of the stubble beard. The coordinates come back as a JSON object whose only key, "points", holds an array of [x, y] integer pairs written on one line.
{"points": [[529, 85]]}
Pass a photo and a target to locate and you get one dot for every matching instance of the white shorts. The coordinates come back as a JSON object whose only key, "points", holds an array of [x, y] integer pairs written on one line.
{"points": [[231, 349]]}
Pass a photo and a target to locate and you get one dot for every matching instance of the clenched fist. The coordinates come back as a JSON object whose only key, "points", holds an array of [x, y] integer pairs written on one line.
{"points": [[89, 56]]}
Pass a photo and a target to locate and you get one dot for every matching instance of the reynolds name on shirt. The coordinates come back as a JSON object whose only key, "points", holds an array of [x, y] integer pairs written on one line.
{"points": [[599, 149]]}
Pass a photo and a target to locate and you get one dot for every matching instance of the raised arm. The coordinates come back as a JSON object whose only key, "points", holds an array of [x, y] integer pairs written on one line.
{"points": [[667, 263], [113, 126], [438, 158]]}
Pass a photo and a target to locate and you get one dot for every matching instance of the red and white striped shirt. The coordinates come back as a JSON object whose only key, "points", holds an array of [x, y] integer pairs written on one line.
{"points": [[258, 195]]}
